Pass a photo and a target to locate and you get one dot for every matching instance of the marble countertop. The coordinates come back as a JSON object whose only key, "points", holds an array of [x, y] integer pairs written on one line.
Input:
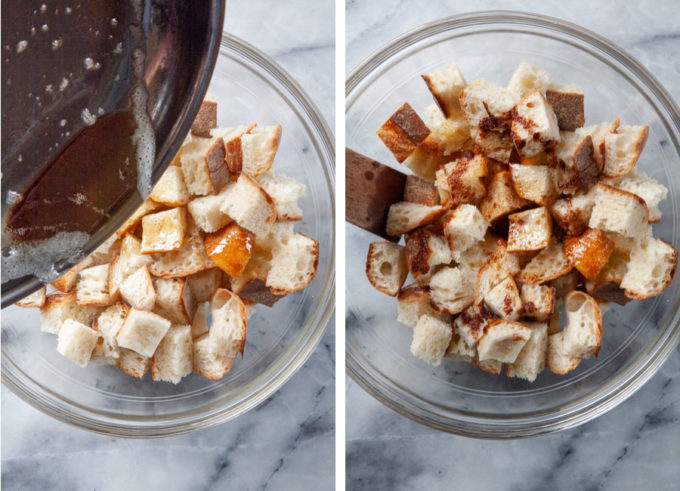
{"points": [[636, 445], [285, 443]]}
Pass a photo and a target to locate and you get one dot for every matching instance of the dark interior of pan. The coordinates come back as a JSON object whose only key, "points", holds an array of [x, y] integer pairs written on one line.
{"points": [[97, 97]]}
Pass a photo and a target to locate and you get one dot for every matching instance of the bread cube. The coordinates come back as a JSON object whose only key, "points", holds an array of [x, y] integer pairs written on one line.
{"points": [[464, 227], [494, 145], [405, 216], [229, 323], [573, 214], [470, 325], [445, 86], [133, 363], [208, 361], [142, 331], [170, 189], [579, 170], [424, 251], [567, 103], [646, 188], [76, 341], [199, 324], [138, 291], [487, 106], [503, 300], [294, 265], [204, 283], [528, 78], [163, 231], [582, 335], [534, 125], [413, 301], [473, 259], [538, 302], [249, 205], [426, 159], [462, 181], [206, 213], [107, 251], [188, 259], [68, 281], [61, 306], [590, 252], [529, 230], [534, 183], [497, 268], [420, 191], [258, 149], [549, 264], [531, 360], [623, 148], [173, 358], [230, 248], [502, 341], [233, 147], [107, 324], [557, 361], [598, 133], [130, 225], [450, 291], [104, 353], [651, 268], [128, 261], [450, 134], [203, 166], [251, 285], [489, 366], [174, 300], [501, 198], [206, 119], [403, 132], [93, 286], [618, 211], [34, 300], [386, 267], [285, 191], [431, 338]]}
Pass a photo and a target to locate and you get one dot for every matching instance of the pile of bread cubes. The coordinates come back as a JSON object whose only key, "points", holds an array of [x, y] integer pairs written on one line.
{"points": [[519, 224], [173, 288]]}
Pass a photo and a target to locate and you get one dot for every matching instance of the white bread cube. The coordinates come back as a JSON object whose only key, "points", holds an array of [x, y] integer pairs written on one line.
{"points": [[645, 187], [188, 259], [424, 251], [462, 181], [534, 183], [474, 258], [142, 331], [285, 191], [450, 134], [557, 361], [199, 324], [529, 230], [133, 363], [623, 148], [170, 189], [482, 103], [431, 338], [137, 290], [174, 300], [598, 134], [258, 149], [164, 231], [458, 350], [494, 145], [489, 366], [578, 169], [534, 125], [204, 283], [131, 224], [403, 132], [76, 341], [104, 353], [413, 301], [173, 358], [34, 300], [464, 227], [68, 281], [229, 324], [233, 148], [107, 324], [445, 86], [128, 261], [573, 214], [531, 360], [294, 265], [107, 251], [568, 104], [651, 268], [386, 267], [549, 264], [502, 341], [404, 216], [538, 302], [450, 291], [426, 158], [619, 211], [208, 361], [203, 166], [528, 78], [62, 306], [206, 213], [503, 300], [249, 205], [501, 198], [582, 334]]}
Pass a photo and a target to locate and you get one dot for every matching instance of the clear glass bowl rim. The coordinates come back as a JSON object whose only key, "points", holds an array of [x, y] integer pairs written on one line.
{"points": [[49, 402], [398, 398]]}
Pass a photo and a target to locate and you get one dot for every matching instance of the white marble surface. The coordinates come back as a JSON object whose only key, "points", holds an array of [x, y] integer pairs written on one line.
{"points": [[285, 443], [635, 446]]}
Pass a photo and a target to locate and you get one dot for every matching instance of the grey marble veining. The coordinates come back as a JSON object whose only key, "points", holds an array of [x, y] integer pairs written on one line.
{"points": [[287, 442], [636, 445]]}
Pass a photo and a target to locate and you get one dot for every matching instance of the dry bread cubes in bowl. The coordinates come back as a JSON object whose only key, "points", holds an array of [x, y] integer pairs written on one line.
{"points": [[214, 292], [546, 182]]}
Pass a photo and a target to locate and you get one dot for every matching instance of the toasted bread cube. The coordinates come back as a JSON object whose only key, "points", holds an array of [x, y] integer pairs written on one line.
{"points": [[503, 300], [204, 283], [413, 301], [173, 358], [206, 212], [462, 181], [646, 188], [403, 132], [590, 252], [386, 267], [458, 350], [623, 148], [206, 119], [188, 259], [229, 323], [528, 78], [405, 216], [450, 291], [487, 106], [567, 103], [133, 363], [582, 335], [34, 300], [128, 261], [138, 291], [230, 248], [93, 288], [573, 214], [258, 149], [426, 159], [494, 145], [499, 265], [464, 227], [445, 86], [473, 259], [619, 211], [431, 338], [294, 265], [534, 125], [163, 231], [424, 251], [142, 331], [249, 205], [579, 170], [469, 326], [598, 134], [203, 166], [557, 361], [285, 191], [549, 264], [76, 341], [131, 224], [170, 189], [208, 361], [62, 306], [199, 324], [501, 198], [174, 300], [538, 302], [534, 183], [531, 360], [651, 268], [420, 191], [529, 230], [450, 134], [233, 147], [502, 341]]}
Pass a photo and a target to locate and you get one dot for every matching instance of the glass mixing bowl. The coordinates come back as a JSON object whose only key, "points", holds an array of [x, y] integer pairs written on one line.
{"points": [[250, 87], [637, 338]]}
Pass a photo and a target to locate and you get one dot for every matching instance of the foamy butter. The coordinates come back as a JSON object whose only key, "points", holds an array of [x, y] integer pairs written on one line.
{"points": [[143, 138]]}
